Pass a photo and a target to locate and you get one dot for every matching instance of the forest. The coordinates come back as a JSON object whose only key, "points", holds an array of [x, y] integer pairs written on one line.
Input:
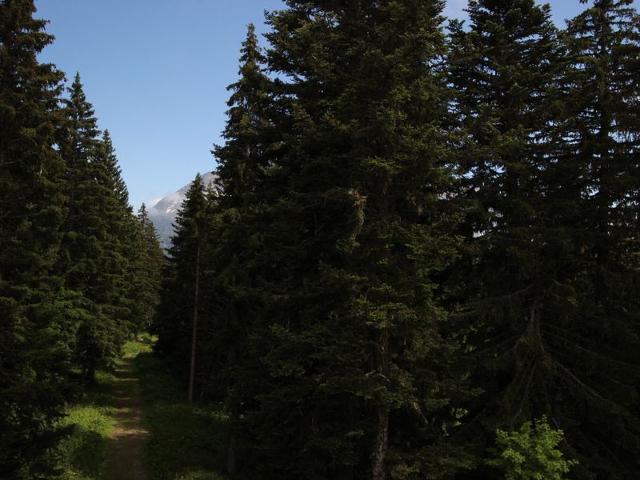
{"points": [[420, 258]]}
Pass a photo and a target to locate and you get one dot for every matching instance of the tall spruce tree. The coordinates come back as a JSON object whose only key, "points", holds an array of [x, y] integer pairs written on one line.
{"points": [[120, 235], [174, 319], [352, 236], [243, 164], [91, 260], [35, 328], [113, 172], [134, 244], [504, 68], [595, 332], [536, 339], [147, 264], [244, 156]]}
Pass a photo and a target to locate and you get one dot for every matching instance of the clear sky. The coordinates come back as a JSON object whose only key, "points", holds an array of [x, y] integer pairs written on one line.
{"points": [[156, 72]]}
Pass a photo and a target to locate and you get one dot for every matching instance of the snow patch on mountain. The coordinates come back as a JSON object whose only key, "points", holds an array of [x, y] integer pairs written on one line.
{"points": [[163, 211]]}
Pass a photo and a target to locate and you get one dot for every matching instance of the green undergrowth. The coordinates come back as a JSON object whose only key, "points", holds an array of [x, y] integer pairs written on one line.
{"points": [[82, 454], [142, 344], [186, 442]]}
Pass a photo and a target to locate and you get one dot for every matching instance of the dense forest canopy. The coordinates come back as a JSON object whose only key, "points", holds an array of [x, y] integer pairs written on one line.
{"points": [[420, 258]]}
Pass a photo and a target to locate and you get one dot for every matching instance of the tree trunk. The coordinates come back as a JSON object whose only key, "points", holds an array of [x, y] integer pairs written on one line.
{"points": [[194, 335], [380, 446], [381, 442], [233, 413], [90, 374], [231, 453]]}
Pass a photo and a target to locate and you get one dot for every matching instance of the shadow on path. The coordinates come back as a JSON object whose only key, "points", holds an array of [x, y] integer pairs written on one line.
{"points": [[125, 455]]}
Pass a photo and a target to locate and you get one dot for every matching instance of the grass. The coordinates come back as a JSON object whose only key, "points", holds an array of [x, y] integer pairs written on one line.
{"points": [[82, 455], [186, 442], [143, 344]]}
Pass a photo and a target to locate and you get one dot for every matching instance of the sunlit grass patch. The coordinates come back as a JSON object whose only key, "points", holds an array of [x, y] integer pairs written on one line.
{"points": [[133, 348], [83, 452], [90, 423]]}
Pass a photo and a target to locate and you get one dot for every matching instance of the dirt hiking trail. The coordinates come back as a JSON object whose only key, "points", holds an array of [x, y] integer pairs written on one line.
{"points": [[125, 455]]}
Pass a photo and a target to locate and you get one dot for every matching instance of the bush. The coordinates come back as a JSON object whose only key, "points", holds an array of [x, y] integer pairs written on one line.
{"points": [[531, 453]]}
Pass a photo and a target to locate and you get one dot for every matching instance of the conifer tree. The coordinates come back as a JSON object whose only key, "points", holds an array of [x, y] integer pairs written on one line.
{"points": [[503, 68], [595, 324], [243, 163], [135, 244], [35, 327], [147, 265], [352, 236], [243, 158], [91, 260], [173, 322], [534, 340], [121, 229], [113, 172]]}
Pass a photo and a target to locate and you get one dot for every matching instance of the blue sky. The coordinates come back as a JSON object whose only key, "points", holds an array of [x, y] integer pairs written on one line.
{"points": [[156, 72]]}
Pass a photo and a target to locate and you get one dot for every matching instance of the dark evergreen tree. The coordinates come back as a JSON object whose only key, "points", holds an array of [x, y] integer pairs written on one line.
{"points": [[120, 242], [113, 172], [147, 265], [35, 326], [173, 322], [243, 163], [91, 258], [243, 158], [352, 378], [504, 69], [536, 340], [594, 335]]}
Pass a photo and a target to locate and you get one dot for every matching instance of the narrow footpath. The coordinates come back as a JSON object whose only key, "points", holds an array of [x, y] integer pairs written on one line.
{"points": [[125, 455]]}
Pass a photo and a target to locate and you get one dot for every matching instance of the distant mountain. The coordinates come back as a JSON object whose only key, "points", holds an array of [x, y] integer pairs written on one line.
{"points": [[163, 212]]}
